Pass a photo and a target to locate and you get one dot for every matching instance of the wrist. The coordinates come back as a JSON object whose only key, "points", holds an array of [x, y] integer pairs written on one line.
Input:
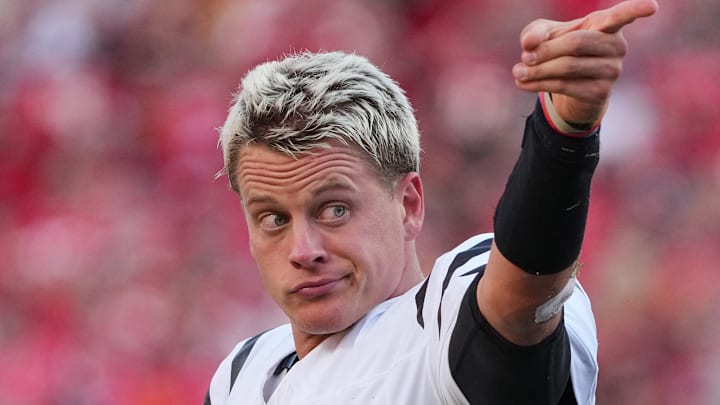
{"points": [[560, 125]]}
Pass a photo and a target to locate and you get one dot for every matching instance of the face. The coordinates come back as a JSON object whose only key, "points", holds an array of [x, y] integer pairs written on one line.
{"points": [[331, 239]]}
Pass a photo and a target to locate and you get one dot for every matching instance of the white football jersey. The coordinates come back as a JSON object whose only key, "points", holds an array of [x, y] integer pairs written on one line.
{"points": [[397, 354]]}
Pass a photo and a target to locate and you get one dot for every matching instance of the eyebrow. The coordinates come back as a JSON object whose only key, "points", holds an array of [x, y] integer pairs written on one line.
{"points": [[332, 185], [259, 199]]}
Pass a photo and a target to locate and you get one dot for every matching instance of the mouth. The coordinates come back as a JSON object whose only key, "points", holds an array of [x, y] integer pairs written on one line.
{"points": [[317, 288]]}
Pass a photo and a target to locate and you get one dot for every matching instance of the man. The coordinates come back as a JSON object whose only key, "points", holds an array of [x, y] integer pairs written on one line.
{"points": [[323, 150]]}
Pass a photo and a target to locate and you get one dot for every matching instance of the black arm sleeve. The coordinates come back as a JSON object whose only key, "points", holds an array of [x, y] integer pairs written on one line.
{"points": [[540, 218], [490, 370]]}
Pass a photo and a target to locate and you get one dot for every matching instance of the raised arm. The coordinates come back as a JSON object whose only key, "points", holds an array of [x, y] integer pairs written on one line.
{"points": [[540, 219]]}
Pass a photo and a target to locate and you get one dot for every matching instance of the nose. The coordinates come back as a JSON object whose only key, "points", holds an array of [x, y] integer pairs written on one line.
{"points": [[307, 249]]}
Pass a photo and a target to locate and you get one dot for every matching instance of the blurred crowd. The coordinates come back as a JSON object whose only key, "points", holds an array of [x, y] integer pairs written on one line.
{"points": [[125, 275]]}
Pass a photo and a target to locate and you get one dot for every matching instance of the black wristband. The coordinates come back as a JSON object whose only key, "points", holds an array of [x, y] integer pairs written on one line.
{"points": [[541, 216]]}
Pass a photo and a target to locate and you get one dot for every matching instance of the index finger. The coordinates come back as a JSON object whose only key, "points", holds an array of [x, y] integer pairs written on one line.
{"points": [[611, 20]]}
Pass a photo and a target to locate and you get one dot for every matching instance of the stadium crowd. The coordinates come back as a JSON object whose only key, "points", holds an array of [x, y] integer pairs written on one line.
{"points": [[125, 274]]}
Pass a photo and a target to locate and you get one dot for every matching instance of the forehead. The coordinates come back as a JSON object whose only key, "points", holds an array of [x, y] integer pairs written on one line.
{"points": [[262, 170]]}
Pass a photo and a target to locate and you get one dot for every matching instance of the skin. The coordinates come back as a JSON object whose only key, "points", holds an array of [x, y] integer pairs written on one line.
{"points": [[332, 241], [578, 61], [330, 238]]}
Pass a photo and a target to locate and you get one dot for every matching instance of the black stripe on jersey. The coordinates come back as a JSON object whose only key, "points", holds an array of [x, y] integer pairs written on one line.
{"points": [[287, 363], [464, 257], [420, 301], [241, 357], [460, 259], [480, 270], [207, 398]]}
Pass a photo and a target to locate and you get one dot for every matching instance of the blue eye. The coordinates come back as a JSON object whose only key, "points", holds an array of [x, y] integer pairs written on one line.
{"points": [[339, 211], [273, 221], [333, 212]]}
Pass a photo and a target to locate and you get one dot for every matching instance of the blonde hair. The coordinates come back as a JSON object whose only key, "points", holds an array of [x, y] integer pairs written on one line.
{"points": [[298, 103]]}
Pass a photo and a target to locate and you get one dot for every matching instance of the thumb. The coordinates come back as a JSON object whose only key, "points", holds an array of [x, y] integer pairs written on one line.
{"points": [[542, 30]]}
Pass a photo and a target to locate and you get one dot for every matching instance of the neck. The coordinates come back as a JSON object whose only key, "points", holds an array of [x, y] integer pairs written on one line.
{"points": [[305, 343], [410, 277]]}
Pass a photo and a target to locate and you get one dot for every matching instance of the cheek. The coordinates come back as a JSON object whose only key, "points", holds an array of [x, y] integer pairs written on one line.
{"points": [[388, 234], [252, 250], [383, 250], [272, 280], [261, 248], [266, 258]]}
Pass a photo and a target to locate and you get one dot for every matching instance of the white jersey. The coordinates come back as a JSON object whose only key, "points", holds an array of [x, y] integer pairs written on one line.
{"points": [[397, 354]]}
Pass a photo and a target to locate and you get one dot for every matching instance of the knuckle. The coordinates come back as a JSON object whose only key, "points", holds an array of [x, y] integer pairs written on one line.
{"points": [[601, 91], [583, 42], [622, 46], [576, 43], [561, 87], [617, 70], [571, 67], [613, 70]]}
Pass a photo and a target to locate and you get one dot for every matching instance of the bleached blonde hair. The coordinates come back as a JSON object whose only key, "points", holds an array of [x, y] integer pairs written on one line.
{"points": [[297, 104]]}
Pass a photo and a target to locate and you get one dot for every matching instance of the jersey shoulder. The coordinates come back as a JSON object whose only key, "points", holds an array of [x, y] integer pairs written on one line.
{"points": [[439, 296], [247, 365]]}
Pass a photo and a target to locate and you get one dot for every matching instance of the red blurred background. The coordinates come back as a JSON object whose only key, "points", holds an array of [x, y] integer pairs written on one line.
{"points": [[125, 275]]}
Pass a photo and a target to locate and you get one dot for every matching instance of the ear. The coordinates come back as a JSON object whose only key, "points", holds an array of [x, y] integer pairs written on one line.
{"points": [[410, 191]]}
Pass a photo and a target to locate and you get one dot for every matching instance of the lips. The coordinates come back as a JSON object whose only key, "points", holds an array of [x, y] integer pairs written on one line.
{"points": [[316, 288]]}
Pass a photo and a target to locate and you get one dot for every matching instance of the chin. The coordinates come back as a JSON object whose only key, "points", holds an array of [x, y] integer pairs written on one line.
{"points": [[324, 323]]}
